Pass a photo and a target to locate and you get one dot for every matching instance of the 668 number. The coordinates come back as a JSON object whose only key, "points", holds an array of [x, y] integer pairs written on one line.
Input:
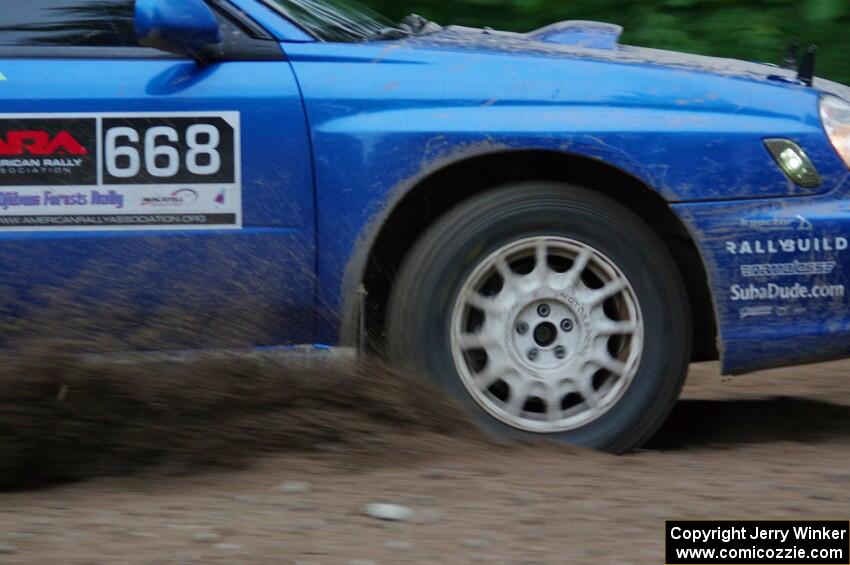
{"points": [[126, 151]]}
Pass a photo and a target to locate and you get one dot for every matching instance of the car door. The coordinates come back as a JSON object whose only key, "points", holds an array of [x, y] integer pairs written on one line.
{"points": [[161, 201]]}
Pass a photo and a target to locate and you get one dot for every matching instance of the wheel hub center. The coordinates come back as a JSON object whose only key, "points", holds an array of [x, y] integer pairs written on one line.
{"points": [[545, 334]]}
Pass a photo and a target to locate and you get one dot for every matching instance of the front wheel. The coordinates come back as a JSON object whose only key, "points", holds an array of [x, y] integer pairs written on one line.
{"points": [[547, 310]]}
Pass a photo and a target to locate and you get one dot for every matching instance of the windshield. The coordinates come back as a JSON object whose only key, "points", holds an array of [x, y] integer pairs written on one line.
{"points": [[334, 20]]}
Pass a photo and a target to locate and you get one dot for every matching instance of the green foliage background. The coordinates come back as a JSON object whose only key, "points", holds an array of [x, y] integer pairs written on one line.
{"points": [[756, 30]]}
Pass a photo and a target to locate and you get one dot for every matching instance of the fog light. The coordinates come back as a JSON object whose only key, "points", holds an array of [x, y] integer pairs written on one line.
{"points": [[794, 162], [791, 161]]}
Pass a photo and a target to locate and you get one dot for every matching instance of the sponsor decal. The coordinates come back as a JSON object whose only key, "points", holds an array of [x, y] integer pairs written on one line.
{"points": [[787, 245], [48, 151], [47, 198], [110, 198], [116, 220], [16, 200], [790, 310], [773, 291], [794, 268], [767, 311], [181, 197], [67, 172], [787, 299], [756, 312], [798, 223], [40, 143]]}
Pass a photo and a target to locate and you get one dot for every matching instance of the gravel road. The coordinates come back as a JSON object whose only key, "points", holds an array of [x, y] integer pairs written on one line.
{"points": [[774, 445]]}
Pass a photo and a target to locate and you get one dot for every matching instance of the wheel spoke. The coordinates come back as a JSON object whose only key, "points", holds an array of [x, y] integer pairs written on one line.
{"points": [[484, 303], [538, 276], [504, 269], [591, 398], [480, 340], [489, 376], [610, 364], [580, 263], [584, 386], [518, 395], [614, 287], [541, 256], [554, 396], [617, 328]]}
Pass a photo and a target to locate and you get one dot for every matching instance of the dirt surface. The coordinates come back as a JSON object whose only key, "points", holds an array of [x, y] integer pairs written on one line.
{"points": [[773, 445]]}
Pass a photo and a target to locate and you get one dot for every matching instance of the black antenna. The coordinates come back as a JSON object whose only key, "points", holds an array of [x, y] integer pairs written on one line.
{"points": [[806, 74], [792, 54]]}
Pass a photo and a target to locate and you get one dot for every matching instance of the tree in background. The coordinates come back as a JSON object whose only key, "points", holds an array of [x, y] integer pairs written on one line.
{"points": [[756, 30]]}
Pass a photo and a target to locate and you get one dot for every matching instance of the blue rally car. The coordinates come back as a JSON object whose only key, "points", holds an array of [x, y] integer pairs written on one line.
{"points": [[551, 225]]}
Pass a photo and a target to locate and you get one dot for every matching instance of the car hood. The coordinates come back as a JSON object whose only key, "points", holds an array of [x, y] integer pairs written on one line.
{"points": [[600, 41]]}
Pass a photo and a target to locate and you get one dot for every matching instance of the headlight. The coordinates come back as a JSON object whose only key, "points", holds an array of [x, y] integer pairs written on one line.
{"points": [[835, 114]]}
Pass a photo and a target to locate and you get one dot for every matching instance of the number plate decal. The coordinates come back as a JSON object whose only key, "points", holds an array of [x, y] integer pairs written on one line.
{"points": [[141, 171]]}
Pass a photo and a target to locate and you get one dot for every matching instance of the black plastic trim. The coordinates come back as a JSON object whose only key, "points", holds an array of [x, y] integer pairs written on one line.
{"points": [[80, 52], [251, 27], [238, 41], [243, 40]]}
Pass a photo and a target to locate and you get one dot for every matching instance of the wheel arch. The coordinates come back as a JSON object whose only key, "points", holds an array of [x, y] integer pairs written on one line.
{"points": [[417, 205]]}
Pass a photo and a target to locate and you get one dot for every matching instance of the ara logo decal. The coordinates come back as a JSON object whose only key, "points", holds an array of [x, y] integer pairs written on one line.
{"points": [[40, 143]]}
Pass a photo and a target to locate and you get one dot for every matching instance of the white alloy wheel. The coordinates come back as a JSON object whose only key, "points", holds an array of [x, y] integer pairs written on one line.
{"points": [[547, 334]]}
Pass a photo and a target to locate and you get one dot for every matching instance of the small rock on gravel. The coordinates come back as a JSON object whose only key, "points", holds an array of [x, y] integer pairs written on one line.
{"points": [[389, 512], [6, 549], [206, 537], [436, 473], [476, 543], [228, 546], [400, 545], [293, 487]]}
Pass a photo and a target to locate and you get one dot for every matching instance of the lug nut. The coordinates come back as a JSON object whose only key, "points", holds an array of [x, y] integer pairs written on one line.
{"points": [[567, 325], [522, 328], [544, 310], [560, 352], [532, 354]]}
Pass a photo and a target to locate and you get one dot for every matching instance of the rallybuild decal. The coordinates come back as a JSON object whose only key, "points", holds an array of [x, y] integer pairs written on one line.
{"points": [[120, 171], [790, 295], [786, 245]]}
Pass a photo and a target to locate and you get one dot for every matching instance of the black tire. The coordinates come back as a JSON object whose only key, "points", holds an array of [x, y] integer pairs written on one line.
{"points": [[434, 272]]}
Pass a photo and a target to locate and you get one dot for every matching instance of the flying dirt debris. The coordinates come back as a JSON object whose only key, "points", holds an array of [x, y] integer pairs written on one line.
{"points": [[67, 417]]}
